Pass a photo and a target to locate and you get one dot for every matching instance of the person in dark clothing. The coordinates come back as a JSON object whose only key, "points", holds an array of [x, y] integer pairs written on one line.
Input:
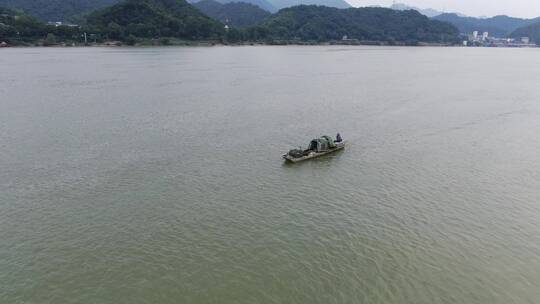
{"points": [[338, 138]]}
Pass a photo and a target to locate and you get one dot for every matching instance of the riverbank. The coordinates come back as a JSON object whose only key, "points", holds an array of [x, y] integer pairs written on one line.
{"points": [[198, 43], [180, 42]]}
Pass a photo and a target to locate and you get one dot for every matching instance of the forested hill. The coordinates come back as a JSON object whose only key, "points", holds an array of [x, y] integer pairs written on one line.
{"points": [[17, 28], [279, 4], [135, 21], [154, 18], [498, 26], [264, 4], [56, 10], [319, 23], [236, 14], [72, 10], [532, 31]]}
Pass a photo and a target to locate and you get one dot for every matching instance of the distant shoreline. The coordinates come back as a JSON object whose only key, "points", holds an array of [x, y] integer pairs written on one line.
{"points": [[209, 44], [149, 43]]}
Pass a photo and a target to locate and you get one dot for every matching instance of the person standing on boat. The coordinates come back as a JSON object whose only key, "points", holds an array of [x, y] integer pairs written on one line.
{"points": [[338, 138]]}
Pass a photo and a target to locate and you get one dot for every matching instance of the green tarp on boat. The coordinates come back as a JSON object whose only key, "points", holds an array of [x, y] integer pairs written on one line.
{"points": [[321, 144]]}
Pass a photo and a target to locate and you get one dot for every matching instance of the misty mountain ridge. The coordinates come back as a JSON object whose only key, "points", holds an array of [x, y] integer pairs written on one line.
{"points": [[426, 12], [498, 26], [532, 31]]}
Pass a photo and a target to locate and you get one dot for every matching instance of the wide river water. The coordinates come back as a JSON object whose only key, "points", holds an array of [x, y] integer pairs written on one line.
{"points": [[154, 175]]}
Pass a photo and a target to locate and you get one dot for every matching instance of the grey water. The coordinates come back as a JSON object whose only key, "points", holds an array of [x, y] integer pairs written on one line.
{"points": [[154, 175]]}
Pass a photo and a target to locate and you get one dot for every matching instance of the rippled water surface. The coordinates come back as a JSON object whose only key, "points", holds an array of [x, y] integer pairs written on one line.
{"points": [[153, 175]]}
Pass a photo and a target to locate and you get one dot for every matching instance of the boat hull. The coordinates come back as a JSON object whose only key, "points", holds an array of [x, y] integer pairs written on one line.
{"points": [[339, 146]]}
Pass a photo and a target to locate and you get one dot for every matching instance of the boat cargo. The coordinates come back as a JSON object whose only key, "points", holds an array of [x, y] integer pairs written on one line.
{"points": [[317, 147]]}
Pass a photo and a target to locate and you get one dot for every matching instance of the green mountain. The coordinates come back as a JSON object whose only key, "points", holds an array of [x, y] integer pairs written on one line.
{"points": [[275, 5], [279, 4], [56, 10], [72, 10], [498, 26], [154, 19], [236, 14], [532, 31], [319, 23], [264, 4]]}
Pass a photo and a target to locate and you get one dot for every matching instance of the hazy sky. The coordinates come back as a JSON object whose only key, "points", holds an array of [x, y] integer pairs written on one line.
{"points": [[516, 8]]}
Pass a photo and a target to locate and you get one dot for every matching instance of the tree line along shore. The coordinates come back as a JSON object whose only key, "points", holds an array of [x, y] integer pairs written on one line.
{"points": [[177, 22]]}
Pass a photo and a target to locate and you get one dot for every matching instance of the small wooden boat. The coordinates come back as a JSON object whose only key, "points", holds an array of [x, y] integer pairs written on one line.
{"points": [[317, 147]]}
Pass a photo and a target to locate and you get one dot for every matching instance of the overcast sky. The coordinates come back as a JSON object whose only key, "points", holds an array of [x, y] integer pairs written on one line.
{"points": [[516, 8]]}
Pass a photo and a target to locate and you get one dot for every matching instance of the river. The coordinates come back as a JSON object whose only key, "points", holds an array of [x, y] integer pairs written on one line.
{"points": [[154, 175]]}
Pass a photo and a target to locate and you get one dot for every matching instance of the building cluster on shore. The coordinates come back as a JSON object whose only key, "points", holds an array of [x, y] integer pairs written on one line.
{"points": [[484, 39], [61, 23]]}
